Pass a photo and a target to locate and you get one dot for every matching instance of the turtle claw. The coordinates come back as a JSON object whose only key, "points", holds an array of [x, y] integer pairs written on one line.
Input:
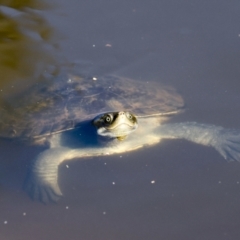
{"points": [[45, 192], [228, 145]]}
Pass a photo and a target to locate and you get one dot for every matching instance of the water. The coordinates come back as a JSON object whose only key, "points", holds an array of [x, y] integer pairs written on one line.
{"points": [[176, 190]]}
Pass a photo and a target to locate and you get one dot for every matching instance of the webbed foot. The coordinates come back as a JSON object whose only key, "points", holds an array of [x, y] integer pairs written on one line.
{"points": [[227, 143], [40, 190]]}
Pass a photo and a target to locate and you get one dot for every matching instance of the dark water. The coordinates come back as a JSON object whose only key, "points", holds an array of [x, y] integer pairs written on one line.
{"points": [[191, 45]]}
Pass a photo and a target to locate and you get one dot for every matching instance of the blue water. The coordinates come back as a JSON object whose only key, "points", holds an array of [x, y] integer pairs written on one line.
{"points": [[176, 190]]}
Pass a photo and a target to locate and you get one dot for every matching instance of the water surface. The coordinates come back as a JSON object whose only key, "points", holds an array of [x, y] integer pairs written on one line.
{"points": [[175, 190]]}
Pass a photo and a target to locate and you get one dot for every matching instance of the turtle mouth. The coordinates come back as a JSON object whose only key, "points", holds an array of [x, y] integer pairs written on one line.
{"points": [[120, 126], [120, 130], [115, 124]]}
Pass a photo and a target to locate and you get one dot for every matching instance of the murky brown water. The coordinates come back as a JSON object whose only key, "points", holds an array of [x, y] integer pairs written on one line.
{"points": [[193, 46]]}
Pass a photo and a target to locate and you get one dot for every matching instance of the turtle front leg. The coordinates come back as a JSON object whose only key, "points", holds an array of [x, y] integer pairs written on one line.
{"points": [[42, 179], [225, 141]]}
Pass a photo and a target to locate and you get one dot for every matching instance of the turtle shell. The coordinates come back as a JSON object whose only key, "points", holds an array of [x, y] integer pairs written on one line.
{"points": [[61, 104]]}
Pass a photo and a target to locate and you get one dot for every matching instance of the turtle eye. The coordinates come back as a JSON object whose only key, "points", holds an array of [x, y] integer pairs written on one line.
{"points": [[130, 116], [108, 118]]}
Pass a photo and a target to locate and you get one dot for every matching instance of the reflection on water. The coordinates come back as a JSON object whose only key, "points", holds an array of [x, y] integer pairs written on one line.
{"points": [[176, 191], [27, 42]]}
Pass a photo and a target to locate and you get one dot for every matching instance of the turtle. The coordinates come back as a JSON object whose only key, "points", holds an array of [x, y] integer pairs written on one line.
{"points": [[78, 117]]}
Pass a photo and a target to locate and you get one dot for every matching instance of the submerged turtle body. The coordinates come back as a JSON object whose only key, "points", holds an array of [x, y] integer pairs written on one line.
{"points": [[61, 105], [80, 117]]}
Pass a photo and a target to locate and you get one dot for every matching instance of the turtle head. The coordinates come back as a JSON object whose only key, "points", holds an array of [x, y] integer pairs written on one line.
{"points": [[115, 124]]}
